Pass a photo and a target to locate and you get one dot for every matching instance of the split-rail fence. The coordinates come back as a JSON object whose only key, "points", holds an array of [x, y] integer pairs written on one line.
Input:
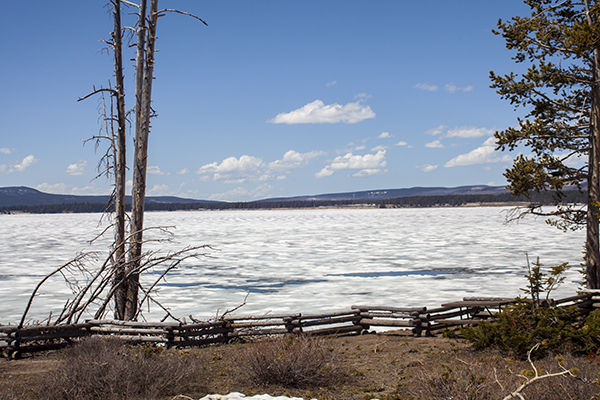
{"points": [[15, 341]]}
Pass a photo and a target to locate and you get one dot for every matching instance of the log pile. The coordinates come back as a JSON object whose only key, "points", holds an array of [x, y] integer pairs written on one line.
{"points": [[469, 311]]}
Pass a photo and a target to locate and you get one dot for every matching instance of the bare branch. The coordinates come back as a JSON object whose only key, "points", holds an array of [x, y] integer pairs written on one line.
{"points": [[96, 91], [183, 13]]}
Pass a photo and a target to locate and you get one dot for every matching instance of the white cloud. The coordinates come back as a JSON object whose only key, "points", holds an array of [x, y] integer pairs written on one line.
{"points": [[427, 167], [427, 87], [18, 166], [469, 132], [254, 169], [159, 190], [369, 164], [292, 160], [437, 130], [330, 83], [451, 88], [183, 171], [367, 172], [436, 144], [384, 135], [5, 150], [240, 193], [317, 113], [380, 147], [77, 168], [481, 155], [54, 188], [154, 170], [401, 143]]}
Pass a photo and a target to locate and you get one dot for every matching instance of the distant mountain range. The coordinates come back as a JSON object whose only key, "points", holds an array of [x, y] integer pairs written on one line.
{"points": [[25, 196], [395, 193]]}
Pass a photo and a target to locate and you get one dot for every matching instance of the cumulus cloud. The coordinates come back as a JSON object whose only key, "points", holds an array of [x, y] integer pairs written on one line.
{"points": [[159, 190], [240, 193], [436, 144], [452, 88], [292, 160], [77, 168], [427, 167], [401, 143], [52, 188], [330, 83], [253, 169], [427, 87], [369, 164], [384, 135], [469, 132], [482, 155], [154, 170], [436, 131], [5, 150], [18, 166], [380, 147], [183, 171], [318, 113]]}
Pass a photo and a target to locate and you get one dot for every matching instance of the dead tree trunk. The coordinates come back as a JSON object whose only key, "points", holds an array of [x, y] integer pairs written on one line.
{"points": [[119, 166], [144, 77]]}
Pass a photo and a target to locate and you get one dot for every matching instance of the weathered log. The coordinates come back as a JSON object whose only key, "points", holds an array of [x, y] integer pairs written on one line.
{"points": [[572, 298], [38, 329], [510, 299], [138, 339], [200, 325], [376, 314], [205, 332], [464, 311], [454, 322], [384, 322], [335, 331], [328, 315], [326, 321], [257, 332], [55, 335], [392, 309], [135, 323], [255, 323], [128, 331], [200, 342], [267, 316]]}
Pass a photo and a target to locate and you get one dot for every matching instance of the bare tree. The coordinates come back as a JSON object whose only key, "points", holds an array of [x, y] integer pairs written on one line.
{"points": [[127, 258]]}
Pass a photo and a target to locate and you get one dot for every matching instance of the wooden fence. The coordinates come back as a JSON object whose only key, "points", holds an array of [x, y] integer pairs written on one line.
{"points": [[469, 311]]}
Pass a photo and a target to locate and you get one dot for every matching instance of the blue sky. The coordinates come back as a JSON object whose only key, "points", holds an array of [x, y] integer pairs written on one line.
{"points": [[272, 99]]}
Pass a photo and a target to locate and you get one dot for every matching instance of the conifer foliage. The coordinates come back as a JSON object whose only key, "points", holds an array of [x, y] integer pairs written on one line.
{"points": [[560, 44]]}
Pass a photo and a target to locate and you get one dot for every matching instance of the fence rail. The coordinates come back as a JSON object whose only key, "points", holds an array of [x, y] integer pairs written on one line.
{"points": [[469, 311]]}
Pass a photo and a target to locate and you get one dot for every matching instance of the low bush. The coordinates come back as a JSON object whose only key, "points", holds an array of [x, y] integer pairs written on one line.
{"points": [[291, 361], [489, 375], [520, 327], [99, 368]]}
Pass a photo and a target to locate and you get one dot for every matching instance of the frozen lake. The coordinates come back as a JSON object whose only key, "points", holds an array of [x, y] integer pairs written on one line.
{"points": [[300, 260]]}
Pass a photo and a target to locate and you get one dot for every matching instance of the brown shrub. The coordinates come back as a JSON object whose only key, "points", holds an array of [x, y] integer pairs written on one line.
{"points": [[291, 361], [488, 375], [100, 368]]}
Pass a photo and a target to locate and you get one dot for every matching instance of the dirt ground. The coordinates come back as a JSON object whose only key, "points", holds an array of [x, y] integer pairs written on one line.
{"points": [[376, 366]]}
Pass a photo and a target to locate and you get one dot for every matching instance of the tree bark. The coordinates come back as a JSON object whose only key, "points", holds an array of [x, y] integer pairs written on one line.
{"points": [[592, 245], [119, 167], [592, 242], [144, 77]]}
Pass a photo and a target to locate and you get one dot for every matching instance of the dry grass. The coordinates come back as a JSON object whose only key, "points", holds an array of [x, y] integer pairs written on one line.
{"points": [[99, 368], [291, 361], [389, 365]]}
